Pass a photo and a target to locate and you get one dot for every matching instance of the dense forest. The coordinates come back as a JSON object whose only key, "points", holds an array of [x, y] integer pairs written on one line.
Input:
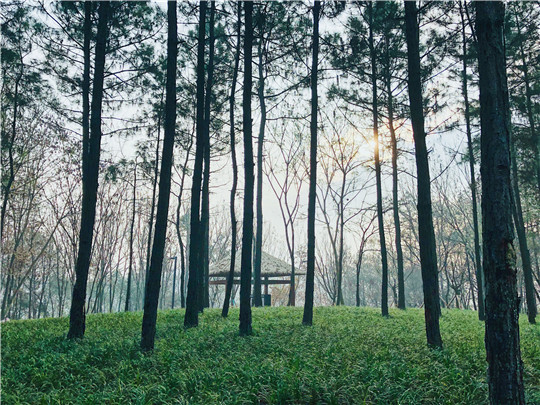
{"points": [[175, 155]]}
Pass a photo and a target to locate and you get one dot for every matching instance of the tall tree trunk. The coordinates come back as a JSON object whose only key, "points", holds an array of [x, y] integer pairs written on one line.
{"points": [[191, 318], [395, 184], [182, 276], [247, 226], [340, 300], [358, 268], [477, 254], [234, 225], [380, 217], [310, 269], [154, 188], [90, 179], [174, 282], [518, 213], [204, 287], [179, 235], [257, 298], [522, 238], [41, 296], [30, 292], [151, 295], [528, 102], [178, 232], [426, 235], [131, 229], [505, 369]]}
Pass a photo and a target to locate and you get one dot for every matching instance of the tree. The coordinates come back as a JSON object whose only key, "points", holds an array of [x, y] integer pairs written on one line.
{"points": [[191, 318], [522, 36], [310, 268], [234, 225], [340, 163], [365, 232], [261, 45], [26, 146], [247, 225], [131, 229], [287, 185], [205, 199], [279, 51], [372, 55], [380, 217], [428, 255], [519, 224], [388, 48], [464, 84], [521, 42], [505, 369], [90, 166], [151, 295]]}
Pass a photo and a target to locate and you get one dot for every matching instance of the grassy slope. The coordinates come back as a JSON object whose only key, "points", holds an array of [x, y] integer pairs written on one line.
{"points": [[349, 356]]}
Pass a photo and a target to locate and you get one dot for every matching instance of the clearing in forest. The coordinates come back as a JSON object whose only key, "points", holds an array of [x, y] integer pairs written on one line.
{"points": [[349, 356]]}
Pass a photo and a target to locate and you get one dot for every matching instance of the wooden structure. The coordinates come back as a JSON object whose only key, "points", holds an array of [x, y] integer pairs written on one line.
{"points": [[273, 271]]}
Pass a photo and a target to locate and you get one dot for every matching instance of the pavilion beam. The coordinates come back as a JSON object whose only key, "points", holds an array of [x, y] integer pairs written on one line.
{"points": [[265, 281]]}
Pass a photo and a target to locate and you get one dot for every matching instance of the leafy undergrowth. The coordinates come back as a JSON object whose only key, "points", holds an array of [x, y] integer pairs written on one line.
{"points": [[349, 356]]}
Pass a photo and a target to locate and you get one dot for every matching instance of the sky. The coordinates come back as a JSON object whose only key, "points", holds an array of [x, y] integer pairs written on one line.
{"points": [[442, 147]]}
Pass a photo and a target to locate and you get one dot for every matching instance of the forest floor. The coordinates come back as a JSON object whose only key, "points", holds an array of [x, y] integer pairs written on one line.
{"points": [[349, 356]]}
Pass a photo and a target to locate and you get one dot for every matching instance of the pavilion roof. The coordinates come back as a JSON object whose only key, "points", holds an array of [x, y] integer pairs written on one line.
{"points": [[271, 266]]}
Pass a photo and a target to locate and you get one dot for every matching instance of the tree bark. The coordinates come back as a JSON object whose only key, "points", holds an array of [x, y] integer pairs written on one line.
{"points": [[358, 268], [528, 103], [395, 184], [522, 238], [257, 298], [131, 229], [247, 226], [234, 225], [310, 269], [380, 217], [428, 253], [204, 287], [153, 280], [174, 282], [505, 369], [154, 188], [477, 252], [191, 318], [90, 179], [518, 212], [339, 261]]}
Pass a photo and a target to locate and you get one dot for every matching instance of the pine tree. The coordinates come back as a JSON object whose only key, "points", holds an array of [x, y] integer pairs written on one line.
{"points": [[247, 226], [77, 316], [505, 369], [428, 253], [310, 269], [191, 318]]}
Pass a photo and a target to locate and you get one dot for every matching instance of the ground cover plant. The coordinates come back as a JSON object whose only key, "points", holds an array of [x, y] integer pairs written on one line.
{"points": [[349, 356]]}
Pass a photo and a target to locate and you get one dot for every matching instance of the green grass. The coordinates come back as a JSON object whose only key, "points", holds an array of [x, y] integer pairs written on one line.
{"points": [[349, 356]]}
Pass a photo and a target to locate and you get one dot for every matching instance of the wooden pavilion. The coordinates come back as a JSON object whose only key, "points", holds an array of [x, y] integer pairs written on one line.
{"points": [[273, 271]]}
